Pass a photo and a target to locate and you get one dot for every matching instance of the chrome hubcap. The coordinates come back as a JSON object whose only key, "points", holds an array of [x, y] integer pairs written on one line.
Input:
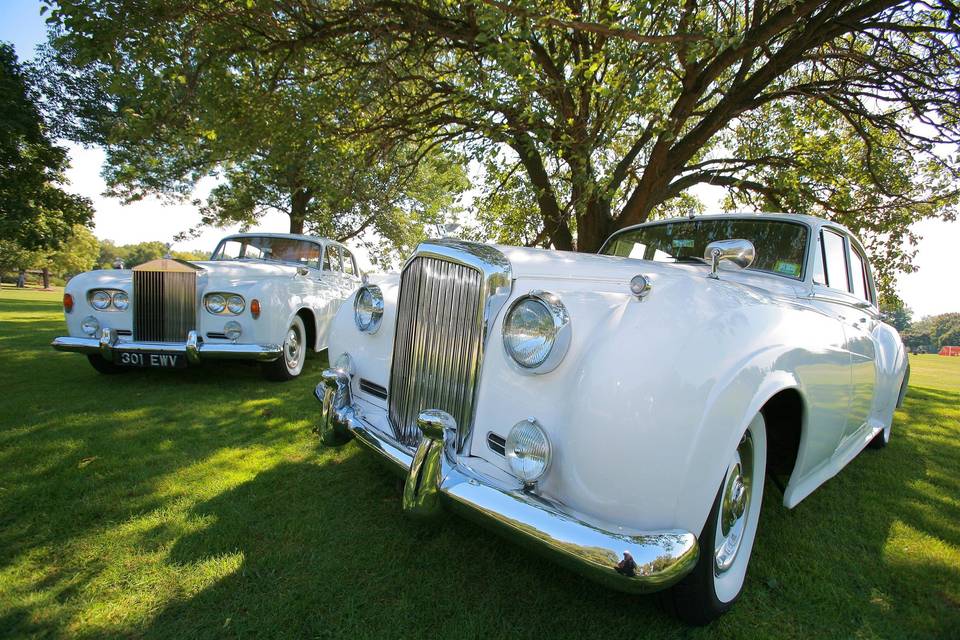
{"points": [[291, 347], [735, 505]]}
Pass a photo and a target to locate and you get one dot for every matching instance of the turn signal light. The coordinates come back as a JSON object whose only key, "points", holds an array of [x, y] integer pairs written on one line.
{"points": [[67, 302], [255, 309]]}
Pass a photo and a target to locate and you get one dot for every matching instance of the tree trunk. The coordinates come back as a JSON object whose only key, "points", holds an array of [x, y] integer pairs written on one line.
{"points": [[593, 226], [298, 209], [46, 278]]}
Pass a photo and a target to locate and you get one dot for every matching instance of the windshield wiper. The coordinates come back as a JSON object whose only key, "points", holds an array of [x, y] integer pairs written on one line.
{"points": [[689, 259]]}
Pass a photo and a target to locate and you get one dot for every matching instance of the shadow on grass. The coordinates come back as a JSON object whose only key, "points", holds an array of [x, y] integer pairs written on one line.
{"points": [[326, 552], [108, 482]]}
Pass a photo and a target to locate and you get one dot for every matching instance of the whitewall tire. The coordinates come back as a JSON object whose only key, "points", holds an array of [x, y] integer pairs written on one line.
{"points": [[292, 356], [726, 541]]}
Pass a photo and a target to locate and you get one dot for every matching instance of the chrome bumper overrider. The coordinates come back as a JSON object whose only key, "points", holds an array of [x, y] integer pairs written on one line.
{"points": [[632, 562], [195, 350]]}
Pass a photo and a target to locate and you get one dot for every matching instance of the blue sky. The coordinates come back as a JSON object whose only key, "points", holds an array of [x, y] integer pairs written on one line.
{"points": [[930, 290], [22, 25]]}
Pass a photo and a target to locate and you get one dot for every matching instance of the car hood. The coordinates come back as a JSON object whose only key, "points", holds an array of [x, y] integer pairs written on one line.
{"points": [[543, 263]]}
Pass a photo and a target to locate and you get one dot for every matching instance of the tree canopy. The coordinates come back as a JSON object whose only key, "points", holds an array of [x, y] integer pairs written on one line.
{"points": [[271, 141], [601, 114], [35, 211]]}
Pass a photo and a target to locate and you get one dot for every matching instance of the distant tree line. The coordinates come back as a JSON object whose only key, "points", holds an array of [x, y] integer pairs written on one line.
{"points": [[933, 333], [80, 252], [927, 335]]}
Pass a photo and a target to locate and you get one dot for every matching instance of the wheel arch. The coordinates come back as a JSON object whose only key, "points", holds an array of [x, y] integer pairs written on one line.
{"points": [[309, 318], [778, 386]]}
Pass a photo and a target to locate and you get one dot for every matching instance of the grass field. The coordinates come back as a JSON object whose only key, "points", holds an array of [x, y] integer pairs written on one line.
{"points": [[197, 504]]}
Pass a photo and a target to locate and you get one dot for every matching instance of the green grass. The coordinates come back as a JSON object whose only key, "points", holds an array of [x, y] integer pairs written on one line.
{"points": [[935, 372], [198, 504]]}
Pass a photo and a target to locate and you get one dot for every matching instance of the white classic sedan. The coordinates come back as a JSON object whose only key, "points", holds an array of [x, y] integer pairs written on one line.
{"points": [[263, 297], [620, 412]]}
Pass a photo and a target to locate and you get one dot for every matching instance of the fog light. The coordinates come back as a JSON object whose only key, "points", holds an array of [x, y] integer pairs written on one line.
{"points": [[528, 451], [89, 325], [232, 330]]}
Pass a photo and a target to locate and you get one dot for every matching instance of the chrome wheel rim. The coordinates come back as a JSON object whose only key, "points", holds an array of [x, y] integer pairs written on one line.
{"points": [[292, 348], [735, 505]]}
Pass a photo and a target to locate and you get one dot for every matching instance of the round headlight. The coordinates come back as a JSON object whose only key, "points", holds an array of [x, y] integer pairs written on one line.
{"points": [[528, 451], [368, 308], [235, 305], [536, 331], [215, 303], [89, 325], [120, 300], [100, 300], [232, 330]]}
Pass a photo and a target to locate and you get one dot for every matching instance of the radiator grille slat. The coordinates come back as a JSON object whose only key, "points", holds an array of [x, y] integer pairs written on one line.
{"points": [[437, 345], [164, 305]]}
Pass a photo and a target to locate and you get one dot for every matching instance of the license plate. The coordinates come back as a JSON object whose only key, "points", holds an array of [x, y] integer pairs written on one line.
{"points": [[150, 359]]}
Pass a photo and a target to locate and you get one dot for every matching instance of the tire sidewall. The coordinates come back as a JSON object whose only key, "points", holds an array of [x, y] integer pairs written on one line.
{"points": [[296, 324], [728, 586], [695, 599]]}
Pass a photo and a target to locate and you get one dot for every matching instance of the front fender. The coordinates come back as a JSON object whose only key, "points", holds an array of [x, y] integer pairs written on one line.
{"points": [[654, 394]]}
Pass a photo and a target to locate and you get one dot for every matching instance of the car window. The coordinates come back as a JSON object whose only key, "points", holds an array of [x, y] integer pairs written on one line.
{"points": [[229, 250], [348, 263], [858, 269], [835, 260], [269, 248], [781, 245], [333, 255]]}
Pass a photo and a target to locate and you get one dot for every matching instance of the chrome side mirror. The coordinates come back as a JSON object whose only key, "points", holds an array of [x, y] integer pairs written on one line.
{"points": [[740, 253]]}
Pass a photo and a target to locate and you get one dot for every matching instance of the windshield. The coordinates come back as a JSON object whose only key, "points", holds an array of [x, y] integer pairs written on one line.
{"points": [[297, 252], [781, 245]]}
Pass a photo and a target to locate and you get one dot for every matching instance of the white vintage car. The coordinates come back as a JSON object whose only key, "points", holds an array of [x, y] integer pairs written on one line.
{"points": [[620, 412], [264, 297]]}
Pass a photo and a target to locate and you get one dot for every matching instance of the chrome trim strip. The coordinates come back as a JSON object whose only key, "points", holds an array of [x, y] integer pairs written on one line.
{"points": [[192, 348], [639, 562]]}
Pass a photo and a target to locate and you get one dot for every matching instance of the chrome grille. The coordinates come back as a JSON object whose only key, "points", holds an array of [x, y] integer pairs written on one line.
{"points": [[438, 345], [164, 305]]}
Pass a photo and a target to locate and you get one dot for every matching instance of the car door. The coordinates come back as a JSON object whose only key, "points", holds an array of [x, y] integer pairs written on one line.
{"points": [[846, 291], [329, 291], [863, 318]]}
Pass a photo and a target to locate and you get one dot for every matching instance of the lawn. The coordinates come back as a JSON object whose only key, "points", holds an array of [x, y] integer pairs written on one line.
{"points": [[198, 504]]}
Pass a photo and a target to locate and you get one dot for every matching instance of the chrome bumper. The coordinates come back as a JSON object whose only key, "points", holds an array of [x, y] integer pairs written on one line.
{"points": [[193, 348], [632, 562]]}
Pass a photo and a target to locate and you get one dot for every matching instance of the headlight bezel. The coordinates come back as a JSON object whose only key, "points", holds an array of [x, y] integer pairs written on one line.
{"points": [[226, 298], [376, 309], [561, 336], [111, 297], [114, 299], [231, 300]]}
